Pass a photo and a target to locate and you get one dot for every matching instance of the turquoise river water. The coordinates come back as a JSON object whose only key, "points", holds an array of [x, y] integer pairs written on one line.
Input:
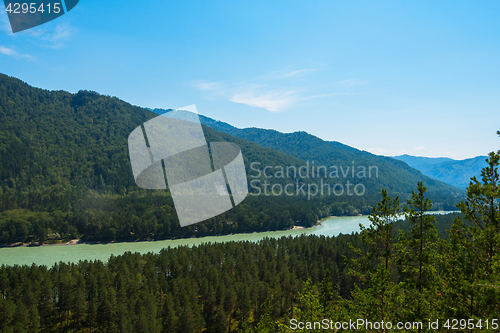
{"points": [[48, 255]]}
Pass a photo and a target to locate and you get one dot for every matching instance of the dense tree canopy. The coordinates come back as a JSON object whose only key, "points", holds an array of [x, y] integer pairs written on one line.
{"points": [[65, 173]]}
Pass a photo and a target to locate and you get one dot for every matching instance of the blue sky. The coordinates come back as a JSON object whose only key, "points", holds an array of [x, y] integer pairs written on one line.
{"points": [[390, 77]]}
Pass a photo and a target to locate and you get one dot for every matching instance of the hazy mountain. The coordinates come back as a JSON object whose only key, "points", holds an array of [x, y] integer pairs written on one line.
{"points": [[454, 172], [422, 163]]}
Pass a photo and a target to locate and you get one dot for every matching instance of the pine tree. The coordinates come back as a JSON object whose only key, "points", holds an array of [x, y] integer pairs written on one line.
{"points": [[478, 244], [375, 267], [418, 258]]}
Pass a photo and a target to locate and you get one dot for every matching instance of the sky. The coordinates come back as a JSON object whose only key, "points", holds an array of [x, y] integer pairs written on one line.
{"points": [[389, 77]]}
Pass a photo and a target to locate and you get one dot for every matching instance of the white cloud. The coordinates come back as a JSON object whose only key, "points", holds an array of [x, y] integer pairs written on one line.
{"points": [[350, 82], [55, 38], [13, 53], [376, 151], [207, 86], [39, 36], [419, 148], [48, 38], [273, 92], [7, 51], [299, 72], [255, 95], [274, 101], [211, 90], [287, 74]]}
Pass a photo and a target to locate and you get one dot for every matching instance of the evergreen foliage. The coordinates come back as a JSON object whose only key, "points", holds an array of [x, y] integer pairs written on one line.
{"points": [[65, 173], [214, 287], [377, 297], [475, 247], [395, 176], [223, 287], [418, 258], [452, 281], [75, 183]]}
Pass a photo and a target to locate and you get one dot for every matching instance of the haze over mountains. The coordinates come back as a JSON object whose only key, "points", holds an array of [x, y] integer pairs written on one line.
{"points": [[454, 172]]}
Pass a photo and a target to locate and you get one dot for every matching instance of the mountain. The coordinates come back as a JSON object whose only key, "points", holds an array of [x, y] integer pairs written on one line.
{"points": [[454, 172], [394, 175], [422, 163], [65, 169], [65, 172]]}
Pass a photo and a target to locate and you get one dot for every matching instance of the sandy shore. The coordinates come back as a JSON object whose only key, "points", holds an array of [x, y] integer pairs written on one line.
{"points": [[297, 227], [78, 241], [70, 242]]}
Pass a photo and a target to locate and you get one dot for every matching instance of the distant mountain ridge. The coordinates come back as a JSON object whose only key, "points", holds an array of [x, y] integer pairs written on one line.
{"points": [[396, 176], [454, 172], [238, 132]]}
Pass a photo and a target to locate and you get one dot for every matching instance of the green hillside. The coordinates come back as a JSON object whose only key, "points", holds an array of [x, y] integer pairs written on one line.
{"points": [[65, 173], [395, 176], [65, 169]]}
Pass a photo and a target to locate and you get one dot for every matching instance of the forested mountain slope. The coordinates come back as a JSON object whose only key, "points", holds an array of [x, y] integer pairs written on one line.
{"points": [[65, 169], [398, 178]]}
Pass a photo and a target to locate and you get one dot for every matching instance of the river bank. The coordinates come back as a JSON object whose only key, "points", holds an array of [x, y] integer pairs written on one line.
{"points": [[49, 254], [294, 228], [36, 244], [78, 241]]}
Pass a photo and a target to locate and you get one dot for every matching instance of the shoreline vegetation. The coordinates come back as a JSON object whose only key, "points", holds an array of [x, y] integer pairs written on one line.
{"points": [[78, 241], [84, 188]]}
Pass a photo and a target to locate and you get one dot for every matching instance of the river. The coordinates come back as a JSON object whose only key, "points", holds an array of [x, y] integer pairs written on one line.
{"points": [[48, 255]]}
